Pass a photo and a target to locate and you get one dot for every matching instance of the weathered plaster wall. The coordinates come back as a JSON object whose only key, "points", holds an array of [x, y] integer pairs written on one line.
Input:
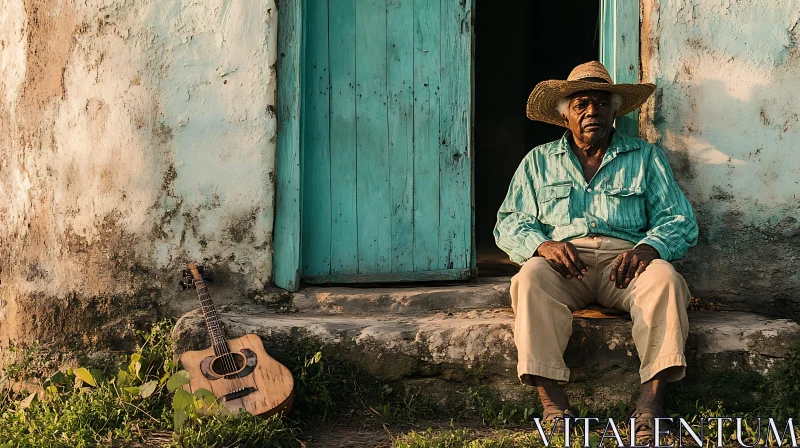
{"points": [[135, 135], [727, 110]]}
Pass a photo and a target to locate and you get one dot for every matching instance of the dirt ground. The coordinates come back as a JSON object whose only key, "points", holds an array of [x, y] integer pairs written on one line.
{"points": [[343, 437], [354, 434], [374, 435]]}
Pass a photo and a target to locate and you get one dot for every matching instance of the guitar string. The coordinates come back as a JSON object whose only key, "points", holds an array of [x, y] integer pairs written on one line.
{"points": [[215, 331], [229, 363]]}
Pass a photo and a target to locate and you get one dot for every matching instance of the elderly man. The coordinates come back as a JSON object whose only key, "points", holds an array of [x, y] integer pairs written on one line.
{"points": [[596, 216]]}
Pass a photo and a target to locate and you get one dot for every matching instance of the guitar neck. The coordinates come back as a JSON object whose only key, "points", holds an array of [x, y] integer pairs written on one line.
{"points": [[212, 319]]}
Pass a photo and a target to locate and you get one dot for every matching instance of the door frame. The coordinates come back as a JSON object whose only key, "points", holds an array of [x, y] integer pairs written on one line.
{"points": [[288, 195], [619, 52]]}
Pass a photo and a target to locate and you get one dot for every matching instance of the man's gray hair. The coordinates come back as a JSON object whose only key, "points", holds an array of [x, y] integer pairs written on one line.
{"points": [[563, 104]]}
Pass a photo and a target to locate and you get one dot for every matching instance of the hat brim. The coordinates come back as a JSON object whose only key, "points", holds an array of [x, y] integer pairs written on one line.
{"points": [[544, 98]]}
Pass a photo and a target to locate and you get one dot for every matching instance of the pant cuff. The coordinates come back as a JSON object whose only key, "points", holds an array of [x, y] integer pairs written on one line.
{"points": [[664, 362], [537, 368]]}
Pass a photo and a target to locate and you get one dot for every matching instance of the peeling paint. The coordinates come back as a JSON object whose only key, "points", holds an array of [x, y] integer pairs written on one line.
{"points": [[135, 136], [725, 110]]}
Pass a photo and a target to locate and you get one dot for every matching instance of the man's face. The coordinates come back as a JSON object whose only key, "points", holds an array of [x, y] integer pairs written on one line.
{"points": [[590, 116]]}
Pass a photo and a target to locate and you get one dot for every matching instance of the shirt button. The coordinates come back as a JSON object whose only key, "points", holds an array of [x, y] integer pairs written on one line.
{"points": [[593, 225], [588, 190]]}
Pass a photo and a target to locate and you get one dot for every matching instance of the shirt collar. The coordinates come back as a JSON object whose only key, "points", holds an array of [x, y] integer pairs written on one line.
{"points": [[619, 143]]}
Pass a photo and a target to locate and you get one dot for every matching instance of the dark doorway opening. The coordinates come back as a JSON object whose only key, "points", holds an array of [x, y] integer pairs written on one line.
{"points": [[517, 45]]}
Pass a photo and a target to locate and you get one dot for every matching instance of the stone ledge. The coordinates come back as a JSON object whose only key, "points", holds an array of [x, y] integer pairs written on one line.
{"points": [[446, 352], [484, 293]]}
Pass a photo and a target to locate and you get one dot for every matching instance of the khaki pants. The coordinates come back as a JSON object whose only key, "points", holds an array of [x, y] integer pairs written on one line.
{"points": [[543, 303]]}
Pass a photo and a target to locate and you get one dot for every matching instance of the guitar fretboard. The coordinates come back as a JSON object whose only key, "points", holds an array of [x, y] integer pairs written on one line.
{"points": [[212, 319]]}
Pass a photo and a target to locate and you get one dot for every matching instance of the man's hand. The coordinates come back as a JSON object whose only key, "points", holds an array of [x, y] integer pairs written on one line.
{"points": [[564, 258], [629, 264]]}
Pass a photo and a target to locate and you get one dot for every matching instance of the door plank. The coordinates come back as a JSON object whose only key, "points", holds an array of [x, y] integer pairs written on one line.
{"points": [[288, 202], [387, 111], [426, 134], [316, 220], [372, 135], [455, 216], [400, 65], [344, 234]]}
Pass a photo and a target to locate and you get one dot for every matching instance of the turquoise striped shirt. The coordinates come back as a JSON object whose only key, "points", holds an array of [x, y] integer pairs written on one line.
{"points": [[633, 196]]}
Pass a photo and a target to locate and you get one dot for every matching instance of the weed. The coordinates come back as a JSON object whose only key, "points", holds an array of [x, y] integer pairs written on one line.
{"points": [[455, 437], [141, 403], [88, 408], [321, 383], [240, 431], [327, 385], [497, 412], [783, 386]]}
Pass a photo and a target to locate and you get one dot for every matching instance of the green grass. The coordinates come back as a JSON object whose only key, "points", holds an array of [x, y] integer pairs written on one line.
{"points": [[528, 436], [139, 403], [747, 395], [131, 406]]}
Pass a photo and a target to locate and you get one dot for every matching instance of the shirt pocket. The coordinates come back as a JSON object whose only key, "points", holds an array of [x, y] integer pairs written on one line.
{"points": [[553, 201], [625, 207]]}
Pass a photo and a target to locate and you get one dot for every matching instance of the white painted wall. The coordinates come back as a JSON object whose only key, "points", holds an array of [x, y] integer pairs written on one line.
{"points": [[134, 136], [727, 109]]}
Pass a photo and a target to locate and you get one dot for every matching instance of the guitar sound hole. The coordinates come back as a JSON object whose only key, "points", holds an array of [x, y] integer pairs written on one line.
{"points": [[228, 364]]}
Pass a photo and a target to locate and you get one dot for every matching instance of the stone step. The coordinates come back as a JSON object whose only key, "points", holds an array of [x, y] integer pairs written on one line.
{"points": [[446, 354], [483, 293]]}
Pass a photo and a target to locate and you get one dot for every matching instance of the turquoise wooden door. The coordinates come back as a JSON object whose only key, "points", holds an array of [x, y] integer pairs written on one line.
{"points": [[386, 141]]}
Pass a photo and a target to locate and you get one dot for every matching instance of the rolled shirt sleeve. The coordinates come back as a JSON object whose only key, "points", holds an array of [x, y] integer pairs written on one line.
{"points": [[670, 217], [517, 231]]}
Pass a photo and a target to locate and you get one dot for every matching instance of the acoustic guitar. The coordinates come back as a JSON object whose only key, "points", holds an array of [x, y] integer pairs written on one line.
{"points": [[239, 372]]}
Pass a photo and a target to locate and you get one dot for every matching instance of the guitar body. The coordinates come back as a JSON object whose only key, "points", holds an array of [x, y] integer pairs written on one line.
{"points": [[261, 385]]}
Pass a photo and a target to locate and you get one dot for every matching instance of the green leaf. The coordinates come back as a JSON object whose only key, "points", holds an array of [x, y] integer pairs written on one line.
{"points": [[123, 378], [182, 400], [131, 390], [135, 365], [58, 378], [170, 365], [205, 399], [205, 396], [180, 418], [148, 388], [84, 375], [97, 374], [177, 380]]}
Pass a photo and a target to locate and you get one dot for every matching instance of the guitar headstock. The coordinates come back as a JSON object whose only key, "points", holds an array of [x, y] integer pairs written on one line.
{"points": [[192, 274]]}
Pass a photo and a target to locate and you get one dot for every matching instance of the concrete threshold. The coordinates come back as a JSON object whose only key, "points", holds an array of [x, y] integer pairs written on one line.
{"points": [[483, 293]]}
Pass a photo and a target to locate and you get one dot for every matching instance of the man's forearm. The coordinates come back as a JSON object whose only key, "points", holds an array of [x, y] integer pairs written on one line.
{"points": [[519, 235]]}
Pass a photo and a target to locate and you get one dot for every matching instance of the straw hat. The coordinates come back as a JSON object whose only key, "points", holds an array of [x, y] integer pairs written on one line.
{"points": [[589, 76]]}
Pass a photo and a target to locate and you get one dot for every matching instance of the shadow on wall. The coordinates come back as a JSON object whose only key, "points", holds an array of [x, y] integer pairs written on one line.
{"points": [[734, 155]]}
